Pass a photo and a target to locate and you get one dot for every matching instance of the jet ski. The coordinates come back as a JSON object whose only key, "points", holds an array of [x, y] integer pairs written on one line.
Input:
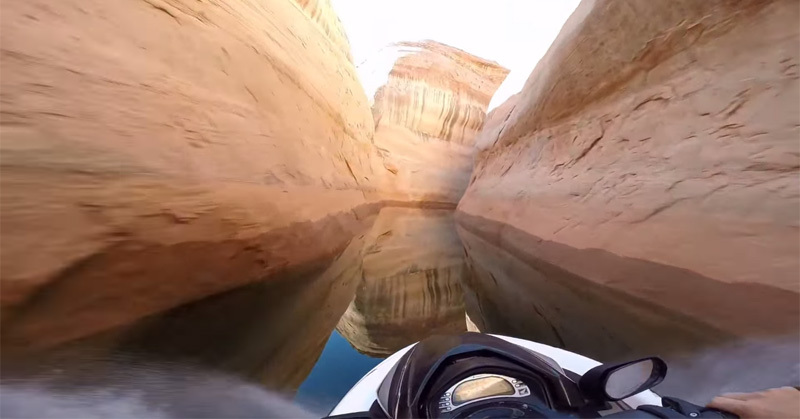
{"points": [[475, 375]]}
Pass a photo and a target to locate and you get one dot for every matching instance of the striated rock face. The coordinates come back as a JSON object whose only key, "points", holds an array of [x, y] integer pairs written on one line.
{"points": [[411, 287], [438, 91], [426, 117], [143, 168], [654, 151]]}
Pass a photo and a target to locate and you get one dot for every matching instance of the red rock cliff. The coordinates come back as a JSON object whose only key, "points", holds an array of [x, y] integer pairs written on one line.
{"points": [[654, 150], [158, 151], [427, 116], [321, 11], [438, 91]]}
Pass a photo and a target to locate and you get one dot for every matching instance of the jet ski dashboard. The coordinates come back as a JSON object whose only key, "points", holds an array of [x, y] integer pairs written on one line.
{"points": [[500, 393], [475, 375]]}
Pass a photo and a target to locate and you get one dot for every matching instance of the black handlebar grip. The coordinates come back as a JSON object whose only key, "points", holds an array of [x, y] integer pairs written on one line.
{"points": [[717, 413], [694, 411]]}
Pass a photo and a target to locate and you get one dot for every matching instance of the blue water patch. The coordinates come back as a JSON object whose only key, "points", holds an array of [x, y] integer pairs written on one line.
{"points": [[337, 369]]}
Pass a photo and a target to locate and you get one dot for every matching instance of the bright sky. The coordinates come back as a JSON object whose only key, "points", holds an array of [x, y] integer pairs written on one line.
{"points": [[515, 33]]}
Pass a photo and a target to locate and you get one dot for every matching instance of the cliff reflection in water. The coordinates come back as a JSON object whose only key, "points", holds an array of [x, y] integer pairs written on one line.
{"points": [[411, 288], [411, 274], [393, 285], [511, 292], [271, 333], [542, 302]]}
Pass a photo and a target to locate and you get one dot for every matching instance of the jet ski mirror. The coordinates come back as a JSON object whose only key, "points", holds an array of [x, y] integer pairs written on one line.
{"points": [[612, 382]]}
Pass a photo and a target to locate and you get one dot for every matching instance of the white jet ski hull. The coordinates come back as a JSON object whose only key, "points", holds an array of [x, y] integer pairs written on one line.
{"points": [[364, 393]]}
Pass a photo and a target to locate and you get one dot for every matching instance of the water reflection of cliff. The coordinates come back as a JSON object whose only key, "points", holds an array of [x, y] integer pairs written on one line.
{"points": [[536, 300], [397, 283], [510, 291], [411, 288], [271, 332]]}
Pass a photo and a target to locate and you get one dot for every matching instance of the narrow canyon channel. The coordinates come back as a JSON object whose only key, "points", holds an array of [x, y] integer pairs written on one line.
{"points": [[415, 273], [206, 205]]}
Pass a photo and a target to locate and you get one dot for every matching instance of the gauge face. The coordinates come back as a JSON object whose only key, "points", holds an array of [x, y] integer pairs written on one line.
{"points": [[480, 388]]}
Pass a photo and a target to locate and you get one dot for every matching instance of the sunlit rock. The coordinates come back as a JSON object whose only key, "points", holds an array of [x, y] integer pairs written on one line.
{"points": [[438, 92], [160, 151], [654, 151], [321, 12], [427, 114]]}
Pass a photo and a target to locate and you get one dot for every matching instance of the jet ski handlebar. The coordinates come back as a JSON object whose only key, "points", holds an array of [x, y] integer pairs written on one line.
{"points": [[673, 408], [475, 375]]}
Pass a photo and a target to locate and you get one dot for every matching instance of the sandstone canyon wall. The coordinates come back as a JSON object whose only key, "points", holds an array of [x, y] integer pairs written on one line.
{"points": [[322, 13], [654, 151], [427, 115], [155, 152], [495, 122]]}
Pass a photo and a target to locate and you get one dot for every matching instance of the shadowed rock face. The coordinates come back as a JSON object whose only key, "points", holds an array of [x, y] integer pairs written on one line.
{"points": [[411, 288], [426, 117], [141, 169], [658, 142]]}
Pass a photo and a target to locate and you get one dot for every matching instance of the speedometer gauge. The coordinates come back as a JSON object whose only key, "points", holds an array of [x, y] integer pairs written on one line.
{"points": [[480, 388]]}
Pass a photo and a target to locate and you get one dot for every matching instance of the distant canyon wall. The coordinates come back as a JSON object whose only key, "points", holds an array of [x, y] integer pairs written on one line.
{"points": [[438, 91], [427, 115], [654, 150], [156, 152]]}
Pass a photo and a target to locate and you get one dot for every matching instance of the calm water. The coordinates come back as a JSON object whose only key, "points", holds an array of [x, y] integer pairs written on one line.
{"points": [[339, 359], [415, 274]]}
